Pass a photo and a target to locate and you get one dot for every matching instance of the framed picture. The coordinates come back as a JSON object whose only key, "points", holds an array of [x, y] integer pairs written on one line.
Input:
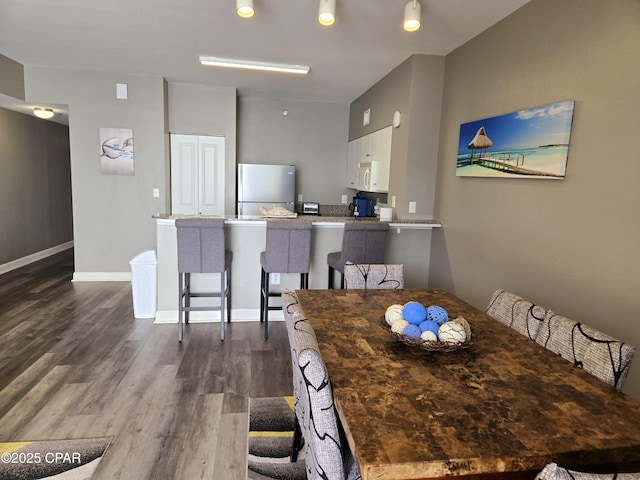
{"points": [[531, 143], [116, 151]]}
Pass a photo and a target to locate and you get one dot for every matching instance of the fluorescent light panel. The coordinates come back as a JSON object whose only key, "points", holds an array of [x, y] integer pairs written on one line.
{"points": [[253, 65]]}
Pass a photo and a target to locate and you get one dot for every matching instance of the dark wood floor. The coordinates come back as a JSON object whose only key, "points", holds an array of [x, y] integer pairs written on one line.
{"points": [[74, 363]]}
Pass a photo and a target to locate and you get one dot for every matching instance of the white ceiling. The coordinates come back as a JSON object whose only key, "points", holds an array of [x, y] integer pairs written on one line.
{"points": [[165, 38]]}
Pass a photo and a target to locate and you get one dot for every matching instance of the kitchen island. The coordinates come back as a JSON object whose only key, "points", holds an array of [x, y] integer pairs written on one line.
{"points": [[408, 242]]}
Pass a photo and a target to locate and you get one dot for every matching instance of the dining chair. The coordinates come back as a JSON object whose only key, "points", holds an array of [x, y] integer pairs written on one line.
{"points": [[201, 249], [373, 276], [552, 471], [597, 353], [514, 311], [327, 454], [362, 242], [287, 250]]}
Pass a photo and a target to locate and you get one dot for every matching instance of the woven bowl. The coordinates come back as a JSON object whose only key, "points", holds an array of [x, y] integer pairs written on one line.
{"points": [[434, 346]]}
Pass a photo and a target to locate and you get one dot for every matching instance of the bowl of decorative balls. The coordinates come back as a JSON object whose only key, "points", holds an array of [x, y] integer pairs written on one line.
{"points": [[428, 328]]}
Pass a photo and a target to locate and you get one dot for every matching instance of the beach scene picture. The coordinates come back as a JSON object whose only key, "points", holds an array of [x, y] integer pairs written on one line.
{"points": [[532, 143]]}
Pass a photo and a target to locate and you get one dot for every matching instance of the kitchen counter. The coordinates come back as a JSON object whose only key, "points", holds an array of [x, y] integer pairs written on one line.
{"points": [[408, 243]]}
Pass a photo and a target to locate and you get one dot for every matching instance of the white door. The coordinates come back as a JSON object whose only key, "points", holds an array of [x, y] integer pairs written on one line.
{"points": [[197, 174]]}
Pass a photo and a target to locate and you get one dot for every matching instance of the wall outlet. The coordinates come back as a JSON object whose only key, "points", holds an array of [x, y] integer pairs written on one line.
{"points": [[156, 193], [412, 207], [275, 278], [344, 199], [299, 197], [393, 201]]}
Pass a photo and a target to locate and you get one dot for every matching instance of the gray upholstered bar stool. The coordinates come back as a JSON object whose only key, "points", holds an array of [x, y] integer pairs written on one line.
{"points": [[287, 250], [362, 242], [201, 249]]}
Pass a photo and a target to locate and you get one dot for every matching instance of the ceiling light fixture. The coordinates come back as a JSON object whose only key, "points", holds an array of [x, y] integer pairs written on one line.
{"points": [[327, 12], [412, 16], [245, 8], [45, 113], [253, 65]]}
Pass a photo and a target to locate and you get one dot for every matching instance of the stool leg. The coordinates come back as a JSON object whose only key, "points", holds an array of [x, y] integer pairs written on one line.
{"points": [[342, 281], [266, 305], [330, 285], [187, 296], [180, 306], [262, 274], [228, 292], [222, 302]]}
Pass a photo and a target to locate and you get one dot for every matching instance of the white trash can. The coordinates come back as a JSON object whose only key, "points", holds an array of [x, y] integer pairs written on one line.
{"points": [[144, 284]]}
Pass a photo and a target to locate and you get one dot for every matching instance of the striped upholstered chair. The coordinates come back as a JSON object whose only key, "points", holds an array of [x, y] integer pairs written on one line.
{"points": [[601, 355], [373, 276], [522, 315], [554, 472], [327, 452]]}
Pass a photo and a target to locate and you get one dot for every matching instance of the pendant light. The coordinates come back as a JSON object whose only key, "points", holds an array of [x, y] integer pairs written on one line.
{"points": [[245, 8], [412, 16], [327, 12]]}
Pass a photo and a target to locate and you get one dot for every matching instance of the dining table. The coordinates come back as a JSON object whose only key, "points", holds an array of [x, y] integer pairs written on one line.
{"points": [[503, 407]]}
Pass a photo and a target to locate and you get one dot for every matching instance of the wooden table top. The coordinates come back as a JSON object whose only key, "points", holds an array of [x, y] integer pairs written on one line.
{"points": [[503, 405]]}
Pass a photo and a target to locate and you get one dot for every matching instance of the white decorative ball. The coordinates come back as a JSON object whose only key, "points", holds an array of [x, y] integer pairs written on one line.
{"points": [[428, 336], [452, 332], [393, 313], [467, 328], [398, 326]]}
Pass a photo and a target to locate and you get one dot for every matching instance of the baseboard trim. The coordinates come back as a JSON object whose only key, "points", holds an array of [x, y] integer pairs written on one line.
{"points": [[101, 277], [34, 257], [237, 315]]}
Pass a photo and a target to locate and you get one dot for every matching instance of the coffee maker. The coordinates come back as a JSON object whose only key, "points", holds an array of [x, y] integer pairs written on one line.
{"points": [[361, 207]]}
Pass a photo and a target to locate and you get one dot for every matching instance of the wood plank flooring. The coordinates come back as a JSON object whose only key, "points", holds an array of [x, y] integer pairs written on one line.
{"points": [[74, 363]]}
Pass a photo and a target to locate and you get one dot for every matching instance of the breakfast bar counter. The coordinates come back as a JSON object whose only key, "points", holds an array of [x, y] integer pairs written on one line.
{"points": [[408, 242]]}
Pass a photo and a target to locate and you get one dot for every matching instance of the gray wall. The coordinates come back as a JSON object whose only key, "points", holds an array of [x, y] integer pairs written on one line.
{"points": [[205, 110], [112, 214], [570, 245], [35, 186], [312, 136], [414, 88]]}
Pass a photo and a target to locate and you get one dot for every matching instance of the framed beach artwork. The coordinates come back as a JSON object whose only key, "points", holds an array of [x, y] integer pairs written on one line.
{"points": [[116, 151], [531, 143]]}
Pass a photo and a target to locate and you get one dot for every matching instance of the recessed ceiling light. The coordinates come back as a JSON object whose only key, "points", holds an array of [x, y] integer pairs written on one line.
{"points": [[244, 8], [253, 65], [45, 113]]}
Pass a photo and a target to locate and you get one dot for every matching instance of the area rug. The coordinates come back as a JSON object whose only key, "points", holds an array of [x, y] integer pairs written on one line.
{"points": [[52, 459], [271, 424]]}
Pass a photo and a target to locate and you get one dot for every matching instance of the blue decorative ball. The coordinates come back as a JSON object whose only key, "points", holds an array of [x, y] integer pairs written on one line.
{"points": [[412, 331], [414, 313], [437, 314], [429, 325]]}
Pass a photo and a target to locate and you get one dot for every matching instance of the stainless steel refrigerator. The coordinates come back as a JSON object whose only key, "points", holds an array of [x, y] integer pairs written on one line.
{"points": [[265, 186]]}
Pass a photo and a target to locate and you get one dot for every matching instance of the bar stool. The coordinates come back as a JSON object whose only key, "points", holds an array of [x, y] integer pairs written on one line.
{"points": [[362, 242], [288, 250], [201, 249]]}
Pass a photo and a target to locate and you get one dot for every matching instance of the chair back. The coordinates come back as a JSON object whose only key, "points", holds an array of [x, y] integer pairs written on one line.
{"points": [[200, 245], [514, 311], [328, 455], [364, 242], [373, 276], [601, 355], [553, 471], [288, 246]]}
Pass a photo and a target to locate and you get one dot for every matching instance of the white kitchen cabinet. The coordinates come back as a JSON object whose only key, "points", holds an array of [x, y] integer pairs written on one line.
{"points": [[354, 156], [197, 174], [370, 159]]}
